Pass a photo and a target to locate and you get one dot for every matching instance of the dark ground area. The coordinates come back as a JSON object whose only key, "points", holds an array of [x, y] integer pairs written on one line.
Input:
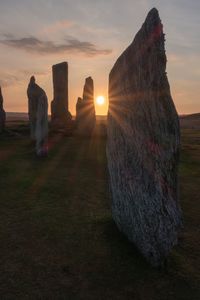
{"points": [[57, 237]]}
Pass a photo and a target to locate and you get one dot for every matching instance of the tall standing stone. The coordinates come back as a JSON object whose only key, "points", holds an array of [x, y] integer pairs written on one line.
{"points": [[85, 110], [60, 116], [143, 145], [38, 116], [79, 107], [2, 113], [32, 92]]}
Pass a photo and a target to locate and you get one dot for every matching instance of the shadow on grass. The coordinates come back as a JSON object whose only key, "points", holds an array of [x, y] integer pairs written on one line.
{"points": [[58, 237]]}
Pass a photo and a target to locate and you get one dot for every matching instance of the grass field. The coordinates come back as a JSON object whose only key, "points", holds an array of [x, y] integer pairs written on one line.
{"points": [[57, 237]]}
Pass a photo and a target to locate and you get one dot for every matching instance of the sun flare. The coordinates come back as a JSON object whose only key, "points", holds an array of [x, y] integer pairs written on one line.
{"points": [[100, 100]]}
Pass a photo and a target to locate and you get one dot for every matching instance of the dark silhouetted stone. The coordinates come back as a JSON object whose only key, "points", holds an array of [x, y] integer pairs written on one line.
{"points": [[85, 111], [143, 145], [38, 116], [79, 107], [2, 113], [60, 116]]}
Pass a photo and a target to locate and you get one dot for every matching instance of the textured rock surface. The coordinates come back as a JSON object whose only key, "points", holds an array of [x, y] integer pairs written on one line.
{"points": [[85, 111], [143, 145], [2, 113], [38, 116], [60, 116]]}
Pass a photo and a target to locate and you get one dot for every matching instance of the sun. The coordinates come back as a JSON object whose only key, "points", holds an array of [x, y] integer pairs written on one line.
{"points": [[100, 100]]}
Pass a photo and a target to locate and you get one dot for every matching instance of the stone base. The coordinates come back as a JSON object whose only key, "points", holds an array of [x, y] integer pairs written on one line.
{"points": [[63, 125]]}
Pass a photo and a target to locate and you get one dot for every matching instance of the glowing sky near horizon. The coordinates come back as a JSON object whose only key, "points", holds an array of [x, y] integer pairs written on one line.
{"points": [[90, 35]]}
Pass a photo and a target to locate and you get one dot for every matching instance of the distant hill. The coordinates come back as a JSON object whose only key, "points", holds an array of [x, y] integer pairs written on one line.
{"points": [[191, 116], [190, 121], [16, 116], [101, 118], [22, 116]]}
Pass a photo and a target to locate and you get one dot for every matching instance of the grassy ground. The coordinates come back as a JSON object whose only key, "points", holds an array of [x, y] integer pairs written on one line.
{"points": [[57, 237]]}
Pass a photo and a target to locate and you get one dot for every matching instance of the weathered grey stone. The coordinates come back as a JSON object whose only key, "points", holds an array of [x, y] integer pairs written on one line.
{"points": [[38, 116], [85, 111], [60, 116], [2, 113], [143, 145]]}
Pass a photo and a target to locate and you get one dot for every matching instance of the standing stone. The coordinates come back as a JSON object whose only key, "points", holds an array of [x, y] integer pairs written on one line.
{"points": [[85, 111], [32, 92], [60, 116], [78, 111], [143, 145], [2, 113], [38, 116]]}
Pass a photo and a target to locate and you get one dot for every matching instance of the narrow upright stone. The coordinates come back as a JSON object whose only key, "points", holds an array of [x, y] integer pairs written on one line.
{"points": [[2, 113], [78, 111], [38, 116], [88, 90], [85, 111], [143, 145], [32, 92], [60, 116]]}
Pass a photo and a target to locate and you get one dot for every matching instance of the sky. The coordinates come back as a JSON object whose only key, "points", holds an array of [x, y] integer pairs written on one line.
{"points": [[90, 35]]}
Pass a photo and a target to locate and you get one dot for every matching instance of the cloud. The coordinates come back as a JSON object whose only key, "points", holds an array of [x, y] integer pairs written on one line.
{"points": [[8, 80], [70, 45], [16, 77]]}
